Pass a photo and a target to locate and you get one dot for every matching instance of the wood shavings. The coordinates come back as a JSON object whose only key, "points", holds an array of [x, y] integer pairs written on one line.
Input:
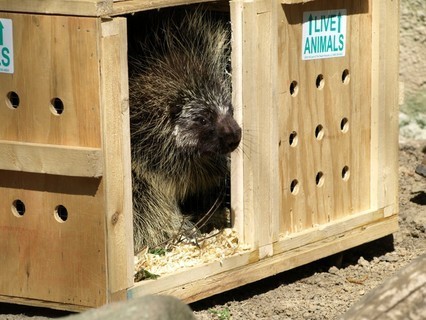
{"points": [[215, 246]]}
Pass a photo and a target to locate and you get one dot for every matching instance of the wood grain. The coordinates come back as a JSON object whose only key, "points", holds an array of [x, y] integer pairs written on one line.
{"points": [[116, 148], [52, 224], [51, 159]]}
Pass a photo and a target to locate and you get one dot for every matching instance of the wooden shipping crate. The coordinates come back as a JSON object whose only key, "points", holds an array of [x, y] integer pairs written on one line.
{"points": [[316, 172]]}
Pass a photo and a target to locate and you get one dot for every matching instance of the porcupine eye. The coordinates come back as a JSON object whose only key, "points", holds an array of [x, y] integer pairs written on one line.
{"points": [[201, 120]]}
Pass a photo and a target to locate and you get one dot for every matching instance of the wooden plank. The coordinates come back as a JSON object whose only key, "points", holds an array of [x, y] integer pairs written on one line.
{"points": [[51, 159], [385, 90], [97, 8], [43, 304], [116, 148], [68, 7], [257, 198], [199, 287], [237, 158], [130, 6], [295, 1]]}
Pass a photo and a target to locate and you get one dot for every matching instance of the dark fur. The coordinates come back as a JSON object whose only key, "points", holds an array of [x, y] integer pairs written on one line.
{"points": [[182, 128]]}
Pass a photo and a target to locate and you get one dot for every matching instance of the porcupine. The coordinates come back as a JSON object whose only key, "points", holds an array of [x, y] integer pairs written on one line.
{"points": [[182, 125]]}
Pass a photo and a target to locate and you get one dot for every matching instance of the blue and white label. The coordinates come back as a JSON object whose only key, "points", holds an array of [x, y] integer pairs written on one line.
{"points": [[6, 46], [324, 34]]}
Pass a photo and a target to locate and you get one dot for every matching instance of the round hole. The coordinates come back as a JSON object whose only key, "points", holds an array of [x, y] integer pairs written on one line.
{"points": [[345, 173], [319, 82], [61, 213], [56, 106], [346, 77], [18, 208], [293, 139], [319, 132], [12, 100], [294, 88], [344, 125], [319, 179], [294, 186]]}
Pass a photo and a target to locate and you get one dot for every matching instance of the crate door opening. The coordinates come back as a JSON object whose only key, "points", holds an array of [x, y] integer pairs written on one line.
{"points": [[182, 128], [324, 112]]}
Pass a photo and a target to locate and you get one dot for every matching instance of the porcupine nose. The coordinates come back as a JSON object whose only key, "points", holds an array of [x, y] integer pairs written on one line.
{"points": [[229, 133]]}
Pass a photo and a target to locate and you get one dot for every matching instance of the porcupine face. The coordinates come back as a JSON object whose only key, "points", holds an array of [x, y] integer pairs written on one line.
{"points": [[205, 125]]}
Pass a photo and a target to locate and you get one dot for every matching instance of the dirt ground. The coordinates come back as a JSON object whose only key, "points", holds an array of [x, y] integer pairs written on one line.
{"points": [[327, 288]]}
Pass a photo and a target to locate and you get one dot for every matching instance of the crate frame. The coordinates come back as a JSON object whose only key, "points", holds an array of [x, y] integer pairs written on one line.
{"points": [[106, 162]]}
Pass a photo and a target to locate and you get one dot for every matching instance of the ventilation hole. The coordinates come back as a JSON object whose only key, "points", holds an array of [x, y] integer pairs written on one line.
{"points": [[18, 208], [293, 139], [344, 125], [319, 82], [12, 100], [56, 106], [61, 213], [345, 173], [294, 186], [319, 132], [294, 88], [319, 179], [346, 77]]}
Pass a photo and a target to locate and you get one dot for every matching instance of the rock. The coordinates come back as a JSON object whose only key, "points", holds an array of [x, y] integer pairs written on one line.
{"points": [[151, 307], [333, 270], [388, 258], [363, 262]]}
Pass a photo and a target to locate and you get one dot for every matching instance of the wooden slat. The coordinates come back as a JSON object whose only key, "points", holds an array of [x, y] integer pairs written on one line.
{"points": [[130, 6], [68, 7], [116, 147], [384, 116], [96, 8], [43, 304], [295, 1], [51, 159], [256, 200], [237, 157]]}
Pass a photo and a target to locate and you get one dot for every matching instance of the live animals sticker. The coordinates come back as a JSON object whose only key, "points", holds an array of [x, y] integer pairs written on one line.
{"points": [[6, 46], [324, 34]]}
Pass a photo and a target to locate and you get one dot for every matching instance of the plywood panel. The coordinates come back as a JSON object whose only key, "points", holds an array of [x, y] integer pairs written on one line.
{"points": [[312, 110], [55, 57], [47, 258]]}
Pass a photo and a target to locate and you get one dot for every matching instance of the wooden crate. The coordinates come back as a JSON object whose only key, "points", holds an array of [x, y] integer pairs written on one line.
{"points": [[316, 172]]}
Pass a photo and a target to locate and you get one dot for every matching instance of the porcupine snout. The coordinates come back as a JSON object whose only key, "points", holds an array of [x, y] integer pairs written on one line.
{"points": [[229, 133]]}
